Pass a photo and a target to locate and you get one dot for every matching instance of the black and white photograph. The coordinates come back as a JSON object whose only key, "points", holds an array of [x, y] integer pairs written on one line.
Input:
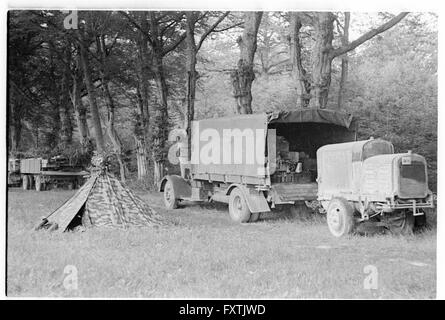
{"points": [[186, 152]]}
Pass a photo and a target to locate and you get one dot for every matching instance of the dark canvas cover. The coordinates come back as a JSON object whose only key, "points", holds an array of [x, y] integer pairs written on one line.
{"points": [[314, 116]]}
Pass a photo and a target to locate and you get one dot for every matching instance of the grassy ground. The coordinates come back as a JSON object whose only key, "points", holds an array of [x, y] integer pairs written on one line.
{"points": [[205, 255]]}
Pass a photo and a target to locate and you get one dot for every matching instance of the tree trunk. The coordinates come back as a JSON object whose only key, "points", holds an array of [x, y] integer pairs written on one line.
{"points": [[52, 137], [158, 172], [142, 130], [324, 53], [141, 138], [344, 62], [299, 74], [321, 68], [243, 76], [192, 76], [111, 130], [95, 117], [66, 127], [141, 158], [160, 123], [264, 53], [15, 123], [144, 69], [80, 111]]}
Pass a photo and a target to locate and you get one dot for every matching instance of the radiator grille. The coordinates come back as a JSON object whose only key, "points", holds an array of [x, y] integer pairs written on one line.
{"points": [[413, 180]]}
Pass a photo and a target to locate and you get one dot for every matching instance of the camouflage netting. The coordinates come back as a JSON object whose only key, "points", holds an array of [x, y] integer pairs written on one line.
{"points": [[102, 201]]}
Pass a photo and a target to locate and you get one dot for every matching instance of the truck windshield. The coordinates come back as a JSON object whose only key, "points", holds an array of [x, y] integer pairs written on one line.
{"points": [[415, 171], [373, 148]]}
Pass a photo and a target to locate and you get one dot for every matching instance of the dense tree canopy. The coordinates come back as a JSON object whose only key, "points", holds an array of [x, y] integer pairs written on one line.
{"points": [[121, 79]]}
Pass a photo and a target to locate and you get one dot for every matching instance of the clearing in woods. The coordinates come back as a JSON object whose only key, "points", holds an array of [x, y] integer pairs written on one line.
{"points": [[205, 255]]}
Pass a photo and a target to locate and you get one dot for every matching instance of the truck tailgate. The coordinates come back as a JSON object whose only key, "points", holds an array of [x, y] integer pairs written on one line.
{"points": [[286, 192]]}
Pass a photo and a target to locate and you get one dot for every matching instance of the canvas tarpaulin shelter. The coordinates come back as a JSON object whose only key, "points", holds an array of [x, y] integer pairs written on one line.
{"points": [[102, 201]]}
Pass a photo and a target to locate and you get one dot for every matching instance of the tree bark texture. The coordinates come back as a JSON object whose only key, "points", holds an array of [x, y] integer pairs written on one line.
{"points": [[344, 62], [66, 127], [323, 53], [15, 120], [111, 130], [192, 75], [142, 129], [160, 121], [299, 74], [94, 110], [322, 59], [80, 110], [243, 76]]}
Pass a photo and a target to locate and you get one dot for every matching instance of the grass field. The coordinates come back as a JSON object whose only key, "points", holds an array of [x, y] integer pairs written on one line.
{"points": [[205, 255]]}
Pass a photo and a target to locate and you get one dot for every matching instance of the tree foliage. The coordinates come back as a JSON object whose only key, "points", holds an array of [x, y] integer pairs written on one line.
{"points": [[150, 71]]}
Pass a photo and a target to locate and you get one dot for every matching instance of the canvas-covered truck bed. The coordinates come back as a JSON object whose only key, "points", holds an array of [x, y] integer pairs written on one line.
{"points": [[263, 149], [230, 150]]}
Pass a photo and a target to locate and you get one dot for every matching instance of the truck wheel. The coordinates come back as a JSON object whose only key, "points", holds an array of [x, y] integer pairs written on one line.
{"points": [[403, 224], [25, 182], [238, 209], [38, 181], [340, 217], [170, 200]]}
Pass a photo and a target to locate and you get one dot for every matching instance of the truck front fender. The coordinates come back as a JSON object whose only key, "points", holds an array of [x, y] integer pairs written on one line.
{"points": [[181, 187], [255, 199]]}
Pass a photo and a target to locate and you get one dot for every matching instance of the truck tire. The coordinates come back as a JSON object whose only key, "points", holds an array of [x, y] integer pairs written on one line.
{"points": [[238, 209], [25, 182], [170, 200], [38, 182], [340, 217]]}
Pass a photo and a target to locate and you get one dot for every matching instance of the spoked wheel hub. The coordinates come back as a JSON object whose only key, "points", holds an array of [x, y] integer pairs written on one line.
{"points": [[238, 208], [170, 200], [334, 218], [340, 217]]}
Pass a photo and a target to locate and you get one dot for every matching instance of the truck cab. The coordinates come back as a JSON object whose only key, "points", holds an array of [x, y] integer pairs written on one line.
{"points": [[365, 181]]}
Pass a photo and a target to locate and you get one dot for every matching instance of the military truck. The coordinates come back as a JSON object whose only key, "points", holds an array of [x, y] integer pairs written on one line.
{"points": [[256, 162], [365, 181], [47, 173]]}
